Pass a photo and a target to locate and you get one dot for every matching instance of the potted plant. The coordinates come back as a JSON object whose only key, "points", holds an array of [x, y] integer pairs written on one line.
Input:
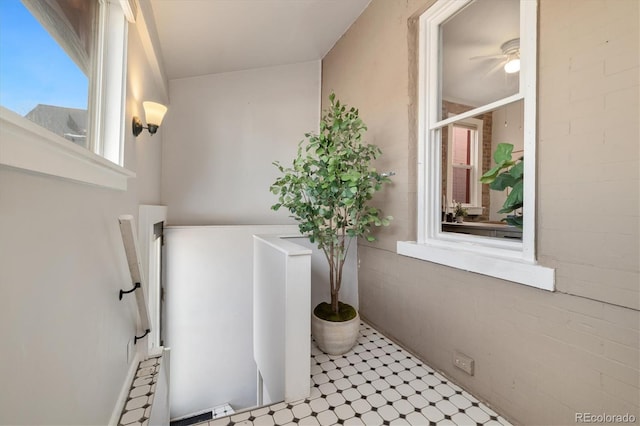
{"points": [[508, 173], [327, 190], [459, 212]]}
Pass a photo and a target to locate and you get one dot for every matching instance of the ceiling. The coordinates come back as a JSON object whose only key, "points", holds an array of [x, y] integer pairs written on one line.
{"points": [[199, 37], [478, 30]]}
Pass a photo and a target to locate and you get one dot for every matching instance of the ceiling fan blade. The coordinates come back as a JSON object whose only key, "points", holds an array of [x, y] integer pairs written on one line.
{"points": [[488, 57], [496, 68]]}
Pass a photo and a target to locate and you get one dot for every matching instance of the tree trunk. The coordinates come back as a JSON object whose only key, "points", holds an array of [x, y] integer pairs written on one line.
{"points": [[336, 283]]}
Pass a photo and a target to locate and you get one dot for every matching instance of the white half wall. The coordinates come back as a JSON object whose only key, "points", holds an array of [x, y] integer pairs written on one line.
{"points": [[281, 312], [209, 315], [209, 311], [221, 136]]}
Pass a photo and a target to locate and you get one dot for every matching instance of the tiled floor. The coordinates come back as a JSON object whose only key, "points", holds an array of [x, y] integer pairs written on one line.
{"points": [[376, 383], [137, 409]]}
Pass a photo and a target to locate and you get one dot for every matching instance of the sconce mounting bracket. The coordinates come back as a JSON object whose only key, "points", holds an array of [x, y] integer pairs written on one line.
{"points": [[136, 125]]}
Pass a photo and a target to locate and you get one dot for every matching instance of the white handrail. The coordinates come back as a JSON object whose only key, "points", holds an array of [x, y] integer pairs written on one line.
{"points": [[130, 242]]}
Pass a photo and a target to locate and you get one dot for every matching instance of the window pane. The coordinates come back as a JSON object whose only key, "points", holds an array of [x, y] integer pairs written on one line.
{"points": [[477, 43], [461, 155], [463, 164], [461, 145], [45, 62], [460, 185]]}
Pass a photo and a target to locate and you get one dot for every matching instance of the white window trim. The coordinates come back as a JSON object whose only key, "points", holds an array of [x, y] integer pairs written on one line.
{"points": [[509, 260], [28, 146], [475, 188], [149, 215]]}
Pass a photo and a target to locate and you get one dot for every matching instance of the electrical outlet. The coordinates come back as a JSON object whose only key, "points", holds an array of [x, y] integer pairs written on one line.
{"points": [[463, 362]]}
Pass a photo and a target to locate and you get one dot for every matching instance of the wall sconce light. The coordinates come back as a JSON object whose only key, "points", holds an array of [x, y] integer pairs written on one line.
{"points": [[154, 113]]}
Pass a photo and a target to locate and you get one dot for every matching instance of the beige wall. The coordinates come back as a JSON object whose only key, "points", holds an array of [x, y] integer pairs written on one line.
{"points": [[540, 356]]}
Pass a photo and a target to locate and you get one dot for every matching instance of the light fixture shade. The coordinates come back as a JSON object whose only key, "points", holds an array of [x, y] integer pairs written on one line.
{"points": [[154, 112], [512, 66]]}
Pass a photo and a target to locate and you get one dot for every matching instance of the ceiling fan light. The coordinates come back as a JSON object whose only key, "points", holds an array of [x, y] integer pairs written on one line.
{"points": [[512, 66]]}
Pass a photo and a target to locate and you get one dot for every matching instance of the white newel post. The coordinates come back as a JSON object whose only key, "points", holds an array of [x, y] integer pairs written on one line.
{"points": [[282, 317]]}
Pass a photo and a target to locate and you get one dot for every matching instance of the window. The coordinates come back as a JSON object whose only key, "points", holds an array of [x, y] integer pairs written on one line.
{"points": [[463, 152], [47, 82], [62, 88], [476, 65]]}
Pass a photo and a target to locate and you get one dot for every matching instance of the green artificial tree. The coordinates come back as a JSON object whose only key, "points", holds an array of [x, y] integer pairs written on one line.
{"points": [[327, 190]]}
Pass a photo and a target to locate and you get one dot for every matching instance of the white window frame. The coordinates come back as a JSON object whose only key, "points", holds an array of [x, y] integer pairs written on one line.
{"points": [[28, 146], [475, 187], [510, 260]]}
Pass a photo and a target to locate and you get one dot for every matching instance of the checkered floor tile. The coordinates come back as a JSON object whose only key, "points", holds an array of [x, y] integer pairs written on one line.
{"points": [[376, 383]]}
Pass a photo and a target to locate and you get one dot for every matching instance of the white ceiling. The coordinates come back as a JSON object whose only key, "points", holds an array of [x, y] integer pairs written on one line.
{"points": [[479, 29], [199, 37]]}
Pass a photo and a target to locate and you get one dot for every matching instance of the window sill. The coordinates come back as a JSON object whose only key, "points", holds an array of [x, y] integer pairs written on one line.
{"points": [[27, 146], [503, 267], [474, 211]]}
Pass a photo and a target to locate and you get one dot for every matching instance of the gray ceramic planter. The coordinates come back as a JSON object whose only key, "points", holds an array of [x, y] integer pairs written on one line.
{"points": [[335, 338]]}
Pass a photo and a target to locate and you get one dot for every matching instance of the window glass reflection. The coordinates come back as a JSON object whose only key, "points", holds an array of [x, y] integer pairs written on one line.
{"points": [[467, 153], [477, 43]]}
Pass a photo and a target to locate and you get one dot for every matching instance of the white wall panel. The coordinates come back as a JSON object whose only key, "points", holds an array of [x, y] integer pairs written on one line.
{"points": [[223, 132]]}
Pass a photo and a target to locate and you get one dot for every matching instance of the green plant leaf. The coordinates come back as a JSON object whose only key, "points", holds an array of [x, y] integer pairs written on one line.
{"points": [[491, 175], [503, 153], [514, 200], [514, 221], [502, 181], [517, 171]]}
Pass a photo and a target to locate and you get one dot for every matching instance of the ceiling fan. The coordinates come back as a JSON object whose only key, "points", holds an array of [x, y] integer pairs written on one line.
{"points": [[510, 56]]}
